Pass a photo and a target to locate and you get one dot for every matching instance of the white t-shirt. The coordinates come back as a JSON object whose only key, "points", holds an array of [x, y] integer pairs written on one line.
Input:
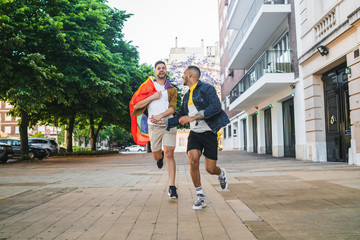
{"points": [[201, 126], [159, 105]]}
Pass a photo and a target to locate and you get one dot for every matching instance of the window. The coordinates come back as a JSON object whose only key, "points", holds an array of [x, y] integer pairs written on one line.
{"points": [[223, 105], [224, 132], [282, 54], [17, 130], [227, 101], [7, 129], [229, 130], [356, 53], [7, 117], [225, 10], [283, 43], [7, 105]]}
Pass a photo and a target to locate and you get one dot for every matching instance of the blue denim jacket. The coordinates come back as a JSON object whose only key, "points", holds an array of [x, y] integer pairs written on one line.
{"points": [[207, 103]]}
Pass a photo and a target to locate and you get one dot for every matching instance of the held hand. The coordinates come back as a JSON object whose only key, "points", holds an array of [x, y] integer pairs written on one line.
{"points": [[156, 117], [152, 119], [185, 119], [156, 96]]}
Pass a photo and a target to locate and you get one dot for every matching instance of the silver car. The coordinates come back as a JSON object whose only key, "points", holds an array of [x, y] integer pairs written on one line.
{"points": [[135, 148], [50, 145]]}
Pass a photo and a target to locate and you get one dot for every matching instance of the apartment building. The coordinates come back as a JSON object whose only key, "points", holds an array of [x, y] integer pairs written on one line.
{"points": [[328, 49], [261, 88], [8, 125], [290, 77]]}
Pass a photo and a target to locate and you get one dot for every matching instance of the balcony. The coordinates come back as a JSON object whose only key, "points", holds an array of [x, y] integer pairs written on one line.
{"points": [[237, 12], [270, 74], [255, 24]]}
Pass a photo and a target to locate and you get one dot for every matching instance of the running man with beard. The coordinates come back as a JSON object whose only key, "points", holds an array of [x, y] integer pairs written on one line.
{"points": [[159, 106]]}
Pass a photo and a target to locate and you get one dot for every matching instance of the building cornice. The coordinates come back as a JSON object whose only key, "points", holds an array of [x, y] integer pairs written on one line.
{"points": [[325, 40], [339, 30]]}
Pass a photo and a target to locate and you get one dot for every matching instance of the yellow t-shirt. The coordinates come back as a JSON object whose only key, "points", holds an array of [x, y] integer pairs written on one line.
{"points": [[191, 94]]}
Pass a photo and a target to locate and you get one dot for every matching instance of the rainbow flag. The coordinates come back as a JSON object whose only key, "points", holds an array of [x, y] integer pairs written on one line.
{"points": [[139, 125]]}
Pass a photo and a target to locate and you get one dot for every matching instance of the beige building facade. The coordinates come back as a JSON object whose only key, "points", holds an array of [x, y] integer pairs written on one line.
{"points": [[328, 34]]}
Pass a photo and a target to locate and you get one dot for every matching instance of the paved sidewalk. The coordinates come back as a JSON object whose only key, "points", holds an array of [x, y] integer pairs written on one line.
{"points": [[124, 196]]}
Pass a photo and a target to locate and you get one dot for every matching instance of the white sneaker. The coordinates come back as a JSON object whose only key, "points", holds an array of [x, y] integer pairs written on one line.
{"points": [[223, 180], [200, 203]]}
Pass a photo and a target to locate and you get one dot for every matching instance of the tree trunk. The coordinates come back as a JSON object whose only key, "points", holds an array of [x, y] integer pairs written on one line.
{"points": [[23, 128], [94, 134], [69, 134]]}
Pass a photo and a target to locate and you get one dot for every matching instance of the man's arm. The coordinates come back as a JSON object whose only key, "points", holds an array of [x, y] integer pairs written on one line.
{"points": [[214, 106], [174, 121], [147, 100], [172, 106], [160, 116], [186, 119]]}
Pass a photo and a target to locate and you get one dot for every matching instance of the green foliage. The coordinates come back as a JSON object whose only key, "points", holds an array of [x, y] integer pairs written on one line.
{"points": [[61, 136], [24, 158], [28, 34], [116, 134], [38, 135], [80, 149], [66, 58]]}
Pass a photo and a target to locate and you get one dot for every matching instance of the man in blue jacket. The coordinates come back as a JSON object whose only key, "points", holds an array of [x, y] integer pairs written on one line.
{"points": [[202, 109]]}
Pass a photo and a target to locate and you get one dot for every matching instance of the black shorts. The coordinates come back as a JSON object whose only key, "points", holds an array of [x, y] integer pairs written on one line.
{"points": [[206, 141]]}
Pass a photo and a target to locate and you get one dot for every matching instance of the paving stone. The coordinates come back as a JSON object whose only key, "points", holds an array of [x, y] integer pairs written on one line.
{"points": [[124, 196]]}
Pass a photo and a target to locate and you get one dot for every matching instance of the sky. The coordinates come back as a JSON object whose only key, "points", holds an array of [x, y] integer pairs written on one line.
{"points": [[156, 23]]}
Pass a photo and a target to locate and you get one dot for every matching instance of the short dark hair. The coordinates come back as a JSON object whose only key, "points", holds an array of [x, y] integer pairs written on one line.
{"points": [[159, 62], [195, 68]]}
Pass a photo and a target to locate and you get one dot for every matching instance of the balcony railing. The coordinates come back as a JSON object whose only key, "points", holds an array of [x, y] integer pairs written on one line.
{"points": [[271, 61], [249, 20]]}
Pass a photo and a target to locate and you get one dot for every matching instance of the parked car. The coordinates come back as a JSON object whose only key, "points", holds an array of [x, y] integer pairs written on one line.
{"points": [[135, 148], [103, 148], [50, 145], [34, 151], [6, 152], [62, 149]]}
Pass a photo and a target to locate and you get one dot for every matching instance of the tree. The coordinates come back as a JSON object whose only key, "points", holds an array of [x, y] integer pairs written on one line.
{"points": [[96, 65], [28, 34]]}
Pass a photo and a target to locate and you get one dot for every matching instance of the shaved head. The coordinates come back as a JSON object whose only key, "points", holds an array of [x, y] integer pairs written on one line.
{"points": [[194, 70]]}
